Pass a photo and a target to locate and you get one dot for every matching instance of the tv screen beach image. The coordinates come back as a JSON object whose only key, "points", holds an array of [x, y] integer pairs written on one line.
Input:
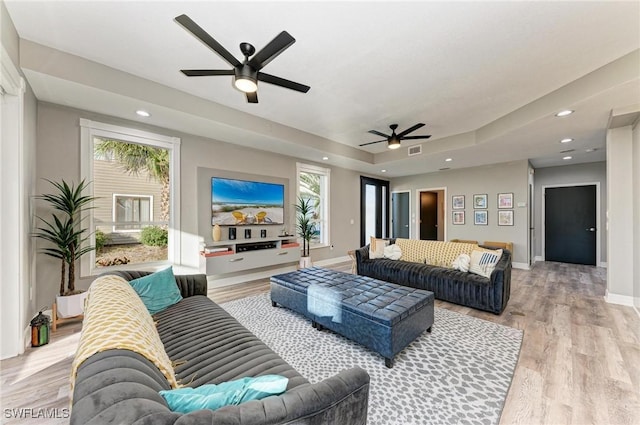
{"points": [[240, 202]]}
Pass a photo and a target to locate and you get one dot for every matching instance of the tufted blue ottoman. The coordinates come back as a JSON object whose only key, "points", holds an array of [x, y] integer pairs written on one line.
{"points": [[382, 316]]}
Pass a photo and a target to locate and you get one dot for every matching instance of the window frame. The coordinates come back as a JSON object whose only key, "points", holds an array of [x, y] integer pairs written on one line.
{"points": [[325, 196], [89, 130], [115, 197]]}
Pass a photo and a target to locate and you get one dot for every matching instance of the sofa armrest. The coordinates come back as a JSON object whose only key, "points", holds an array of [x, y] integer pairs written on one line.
{"points": [[362, 254], [189, 284], [340, 399]]}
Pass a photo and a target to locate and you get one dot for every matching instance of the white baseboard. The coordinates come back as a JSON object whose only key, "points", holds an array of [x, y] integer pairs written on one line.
{"points": [[603, 264], [330, 261], [217, 282], [26, 338], [538, 258], [618, 299], [521, 266]]}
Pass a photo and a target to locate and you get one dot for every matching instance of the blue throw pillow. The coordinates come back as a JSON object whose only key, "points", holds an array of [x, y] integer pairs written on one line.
{"points": [[211, 396], [158, 290]]}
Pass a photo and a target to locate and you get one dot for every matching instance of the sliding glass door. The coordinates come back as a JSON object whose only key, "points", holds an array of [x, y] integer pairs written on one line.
{"points": [[374, 209]]}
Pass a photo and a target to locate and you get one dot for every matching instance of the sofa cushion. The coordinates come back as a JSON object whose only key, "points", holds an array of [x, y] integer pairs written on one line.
{"points": [[392, 252], [376, 247], [483, 261], [157, 290], [462, 263], [434, 253]]}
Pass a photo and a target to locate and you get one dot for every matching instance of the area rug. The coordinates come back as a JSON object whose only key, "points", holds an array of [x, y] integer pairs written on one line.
{"points": [[458, 374]]}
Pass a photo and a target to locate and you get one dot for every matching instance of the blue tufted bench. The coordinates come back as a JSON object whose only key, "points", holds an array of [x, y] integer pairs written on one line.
{"points": [[382, 316]]}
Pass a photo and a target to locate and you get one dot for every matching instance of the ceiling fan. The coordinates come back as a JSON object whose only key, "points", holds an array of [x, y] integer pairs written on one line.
{"points": [[247, 73], [394, 139]]}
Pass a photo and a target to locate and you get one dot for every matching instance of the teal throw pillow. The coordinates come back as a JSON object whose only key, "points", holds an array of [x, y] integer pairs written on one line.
{"points": [[158, 290], [212, 396]]}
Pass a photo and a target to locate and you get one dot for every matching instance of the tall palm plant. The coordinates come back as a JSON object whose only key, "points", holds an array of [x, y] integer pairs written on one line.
{"points": [[304, 223], [134, 159], [63, 231]]}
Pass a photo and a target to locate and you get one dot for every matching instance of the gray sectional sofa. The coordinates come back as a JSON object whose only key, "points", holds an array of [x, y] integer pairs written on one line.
{"points": [[121, 387], [467, 289]]}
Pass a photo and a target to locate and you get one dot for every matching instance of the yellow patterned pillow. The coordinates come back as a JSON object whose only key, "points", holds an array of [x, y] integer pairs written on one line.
{"points": [[116, 318], [436, 253]]}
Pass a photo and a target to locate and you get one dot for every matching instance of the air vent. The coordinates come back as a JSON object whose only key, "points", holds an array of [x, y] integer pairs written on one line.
{"points": [[414, 150], [444, 169], [567, 151]]}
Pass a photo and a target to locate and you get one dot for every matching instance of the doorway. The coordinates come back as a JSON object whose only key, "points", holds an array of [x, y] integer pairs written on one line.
{"points": [[374, 209], [570, 224], [400, 211], [431, 208]]}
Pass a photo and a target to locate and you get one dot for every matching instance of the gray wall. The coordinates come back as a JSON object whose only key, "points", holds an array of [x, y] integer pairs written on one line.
{"points": [[636, 215], [58, 157], [493, 179], [595, 172]]}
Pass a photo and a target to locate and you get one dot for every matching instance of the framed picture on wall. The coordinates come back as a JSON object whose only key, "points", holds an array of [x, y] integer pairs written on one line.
{"points": [[457, 202], [480, 201], [458, 217], [505, 218], [481, 217], [505, 200]]}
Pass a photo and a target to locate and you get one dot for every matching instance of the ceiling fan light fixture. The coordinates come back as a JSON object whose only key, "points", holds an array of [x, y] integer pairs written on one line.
{"points": [[246, 84], [394, 143]]}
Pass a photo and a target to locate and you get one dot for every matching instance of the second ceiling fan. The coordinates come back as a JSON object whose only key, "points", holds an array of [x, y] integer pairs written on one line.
{"points": [[394, 139], [247, 73]]}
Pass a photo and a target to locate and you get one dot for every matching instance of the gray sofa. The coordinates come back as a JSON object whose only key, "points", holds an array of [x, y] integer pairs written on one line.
{"points": [[467, 289], [121, 386]]}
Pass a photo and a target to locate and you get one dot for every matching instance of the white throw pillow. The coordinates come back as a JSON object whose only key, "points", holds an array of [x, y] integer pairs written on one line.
{"points": [[392, 252], [376, 247], [462, 263], [484, 261]]}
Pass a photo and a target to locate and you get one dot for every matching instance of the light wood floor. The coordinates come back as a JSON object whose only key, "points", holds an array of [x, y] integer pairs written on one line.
{"points": [[579, 363]]}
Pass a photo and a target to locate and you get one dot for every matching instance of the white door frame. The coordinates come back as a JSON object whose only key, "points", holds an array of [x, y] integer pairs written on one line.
{"points": [[598, 222], [391, 210], [415, 234]]}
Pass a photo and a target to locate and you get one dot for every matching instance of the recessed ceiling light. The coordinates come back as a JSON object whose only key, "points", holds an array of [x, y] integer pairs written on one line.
{"points": [[567, 140], [383, 171], [325, 158], [449, 159], [143, 113], [567, 157], [564, 113]]}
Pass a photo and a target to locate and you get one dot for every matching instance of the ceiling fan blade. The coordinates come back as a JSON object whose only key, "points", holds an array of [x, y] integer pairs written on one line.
{"points": [[416, 137], [203, 36], [377, 133], [410, 129], [252, 97], [371, 143], [271, 50], [272, 79], [206, 72]]}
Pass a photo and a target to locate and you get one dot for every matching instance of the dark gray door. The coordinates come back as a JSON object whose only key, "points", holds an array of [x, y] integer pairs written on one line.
{"points": [[570, 224], [400, 217], [429, 216]]}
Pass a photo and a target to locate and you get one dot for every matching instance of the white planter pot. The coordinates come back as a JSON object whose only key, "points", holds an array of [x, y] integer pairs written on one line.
{"points": [[71, 305], [305, 262]]}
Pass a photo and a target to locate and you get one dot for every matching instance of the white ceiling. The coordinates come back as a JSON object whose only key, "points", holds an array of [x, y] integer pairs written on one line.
{"points": [[486, 77]]}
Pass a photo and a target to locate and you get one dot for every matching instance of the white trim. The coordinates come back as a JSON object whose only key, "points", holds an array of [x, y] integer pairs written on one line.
{"points": [[330, 261], [599, 226], [618, 299], [217, 282], [415, 233], [391, 211], [602, 264], [325, 199], [538, 258], [10, 79], [92, 129], [520, 266]]}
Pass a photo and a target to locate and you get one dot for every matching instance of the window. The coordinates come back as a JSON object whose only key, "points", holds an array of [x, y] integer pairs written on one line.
{"points": [[313, 183], [134, 209], [134, 174]]}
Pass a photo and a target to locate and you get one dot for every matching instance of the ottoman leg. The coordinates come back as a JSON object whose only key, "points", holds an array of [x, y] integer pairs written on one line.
{"points": [[314, 325], [274, 304], [429, 329], [388, 362]]}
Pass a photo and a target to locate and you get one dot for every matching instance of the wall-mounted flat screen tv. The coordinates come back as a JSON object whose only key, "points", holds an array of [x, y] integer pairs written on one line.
{"points": [[240, 202]]}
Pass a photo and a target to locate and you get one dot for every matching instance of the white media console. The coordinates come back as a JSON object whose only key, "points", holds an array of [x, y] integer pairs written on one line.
{"points": [[231, 256]]}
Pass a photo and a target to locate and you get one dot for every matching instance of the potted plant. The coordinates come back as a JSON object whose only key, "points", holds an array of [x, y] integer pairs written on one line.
{"points": [[66, 237], [305, 227]]}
